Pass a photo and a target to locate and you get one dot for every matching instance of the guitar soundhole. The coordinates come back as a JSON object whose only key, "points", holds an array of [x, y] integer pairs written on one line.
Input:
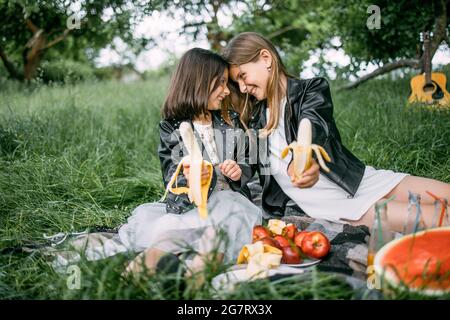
{"points": [[430, 87]]}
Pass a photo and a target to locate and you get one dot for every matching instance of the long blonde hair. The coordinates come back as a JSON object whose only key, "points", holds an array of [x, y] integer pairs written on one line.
{"points": [[245, 48]]}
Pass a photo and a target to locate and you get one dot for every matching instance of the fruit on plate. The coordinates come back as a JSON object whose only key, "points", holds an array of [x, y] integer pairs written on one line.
{"points": [[421, 261], [315, 244], [279, 235], [303, 148], [299, 238], [290, 231], [260, 232], [282, 241], [197, 192], [291, 255]]}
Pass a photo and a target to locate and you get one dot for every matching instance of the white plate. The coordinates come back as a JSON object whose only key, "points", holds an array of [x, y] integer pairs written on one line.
{"points": [[307, 262], [227, 281]]}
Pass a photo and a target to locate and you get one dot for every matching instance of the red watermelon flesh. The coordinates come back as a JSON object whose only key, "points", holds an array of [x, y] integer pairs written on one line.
{"points": [[421, 260]]}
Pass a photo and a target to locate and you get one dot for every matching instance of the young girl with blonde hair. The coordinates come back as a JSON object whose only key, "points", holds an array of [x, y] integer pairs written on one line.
{"points": [[349, 191]]}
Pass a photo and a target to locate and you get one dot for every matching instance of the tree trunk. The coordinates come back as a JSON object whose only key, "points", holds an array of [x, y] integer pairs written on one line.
{"points": [[214, 38], [33, 54], [214, 32], [13, 73]]}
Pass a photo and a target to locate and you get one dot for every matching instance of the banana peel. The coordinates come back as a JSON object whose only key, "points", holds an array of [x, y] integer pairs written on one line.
{"points": [[197, 192], [302, 150]]}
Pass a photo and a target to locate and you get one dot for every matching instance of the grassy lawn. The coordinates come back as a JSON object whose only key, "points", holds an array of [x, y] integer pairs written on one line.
{"points": [[84, 156]]}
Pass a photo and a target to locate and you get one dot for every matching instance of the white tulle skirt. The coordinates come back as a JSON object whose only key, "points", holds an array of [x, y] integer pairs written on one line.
{"points": [[228, 226]]}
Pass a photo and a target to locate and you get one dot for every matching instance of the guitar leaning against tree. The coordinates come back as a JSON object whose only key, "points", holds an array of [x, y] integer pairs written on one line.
{"points": [[429, 87]]}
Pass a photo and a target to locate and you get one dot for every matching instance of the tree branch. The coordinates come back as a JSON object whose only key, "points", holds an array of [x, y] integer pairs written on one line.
{"points": [[57, 39], [10, 67], [412, 63], [281, 31], [440, 32], [193, 24], [30, 25]]}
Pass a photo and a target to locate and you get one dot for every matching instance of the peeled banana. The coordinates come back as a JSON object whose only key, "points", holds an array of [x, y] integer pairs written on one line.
{"points": [[251, 250], [196, 191], [302, 150], [260, 264], [259, 258]]}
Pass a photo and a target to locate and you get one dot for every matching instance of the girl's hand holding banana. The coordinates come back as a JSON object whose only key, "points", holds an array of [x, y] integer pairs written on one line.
{"points": [[303, 170], [231, 169], [205, 172], [308, 178], [197, 189]]}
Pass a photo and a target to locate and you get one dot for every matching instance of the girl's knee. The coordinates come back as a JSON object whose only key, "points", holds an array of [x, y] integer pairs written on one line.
{"points": [[366, 219]]}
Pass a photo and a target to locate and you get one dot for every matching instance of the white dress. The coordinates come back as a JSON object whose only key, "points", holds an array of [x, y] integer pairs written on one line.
{"points": [[326, 200]]}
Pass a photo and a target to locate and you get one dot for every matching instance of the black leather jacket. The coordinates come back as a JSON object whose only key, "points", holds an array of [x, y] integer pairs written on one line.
{"points": [[306, 99], [171, 151]]}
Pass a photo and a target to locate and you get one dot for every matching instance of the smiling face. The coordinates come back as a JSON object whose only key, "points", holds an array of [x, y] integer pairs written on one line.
{"points": [[253, 77], [218, 94]]}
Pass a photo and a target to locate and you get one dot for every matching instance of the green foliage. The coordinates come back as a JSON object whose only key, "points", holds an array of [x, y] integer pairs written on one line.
{"points": [[66, 71], [300, 28], [101, 23], [401, 23], [288, 24], [297, 28]]}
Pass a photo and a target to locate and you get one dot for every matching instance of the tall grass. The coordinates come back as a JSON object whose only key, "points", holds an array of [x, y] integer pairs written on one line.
{"points": [[83, 156]]}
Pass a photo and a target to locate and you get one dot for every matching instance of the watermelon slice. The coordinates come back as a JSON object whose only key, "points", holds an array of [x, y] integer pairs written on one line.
{"points": [[419, 261]]}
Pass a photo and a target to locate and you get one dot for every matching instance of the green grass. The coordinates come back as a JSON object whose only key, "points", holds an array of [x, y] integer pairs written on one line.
{"points": [[83, 156]]}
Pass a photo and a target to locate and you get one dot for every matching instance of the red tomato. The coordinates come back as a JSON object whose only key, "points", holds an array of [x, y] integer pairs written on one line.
{"points": [[315, 244], [299, 238], [291, 255], [282, 241], [260, 232], [290, 230]]}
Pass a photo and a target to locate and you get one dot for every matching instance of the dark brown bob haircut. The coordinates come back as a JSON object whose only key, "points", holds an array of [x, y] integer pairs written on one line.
{"points": [[195, 77]]}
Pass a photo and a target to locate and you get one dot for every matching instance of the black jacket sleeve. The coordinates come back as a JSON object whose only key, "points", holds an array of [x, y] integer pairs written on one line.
{"points": [[170, 153]]}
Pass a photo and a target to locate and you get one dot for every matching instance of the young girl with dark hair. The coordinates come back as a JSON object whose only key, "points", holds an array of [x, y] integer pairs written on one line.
{"points": [[196, 94]]}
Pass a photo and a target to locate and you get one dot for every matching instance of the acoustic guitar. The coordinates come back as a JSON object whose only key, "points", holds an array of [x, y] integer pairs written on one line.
{"points": [[429, 87]]}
